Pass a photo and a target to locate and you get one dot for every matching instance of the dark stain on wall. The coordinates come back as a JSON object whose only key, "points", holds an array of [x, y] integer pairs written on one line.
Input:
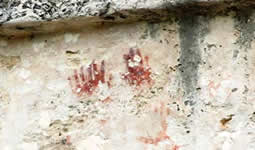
{"points": [[9, 61], [192, 31], [245, 25], [151, 30]]}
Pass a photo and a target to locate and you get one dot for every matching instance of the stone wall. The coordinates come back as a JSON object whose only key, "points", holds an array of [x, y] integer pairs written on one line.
{"points": [[141, 75]]}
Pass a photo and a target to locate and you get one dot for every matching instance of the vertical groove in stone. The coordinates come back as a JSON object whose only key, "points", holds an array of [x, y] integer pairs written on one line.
{"points": [[192, 30]]}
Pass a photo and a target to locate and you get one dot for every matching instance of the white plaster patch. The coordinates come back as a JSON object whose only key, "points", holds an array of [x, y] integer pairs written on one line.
{"points": [[56, 85], [38, 46], [29, 146], [15, 124], [103, 91], [234, 141], [26, 63], [91, 143], [221, 26], [24, 74], [61, 113], [28, 86], [71, 38], [137, 58], [44, 119], [132, 44], [132, 63], [6, 148]]}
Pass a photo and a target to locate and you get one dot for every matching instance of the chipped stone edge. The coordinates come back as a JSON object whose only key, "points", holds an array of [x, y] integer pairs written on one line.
{"points": [[110, 12]]}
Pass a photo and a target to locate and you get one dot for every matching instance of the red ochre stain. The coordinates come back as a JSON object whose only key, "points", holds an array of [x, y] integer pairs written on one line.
{"points": [[68, 140], [85, 81], [107, 100], [138, 70], [109, 81], [176, 147]]}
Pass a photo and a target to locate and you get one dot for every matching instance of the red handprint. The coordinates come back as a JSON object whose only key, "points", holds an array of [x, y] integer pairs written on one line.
{"points": [[85, 81], [138, 72]]}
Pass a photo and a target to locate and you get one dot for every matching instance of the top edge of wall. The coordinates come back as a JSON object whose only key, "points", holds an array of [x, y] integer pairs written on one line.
{"points": [[27, 17]]}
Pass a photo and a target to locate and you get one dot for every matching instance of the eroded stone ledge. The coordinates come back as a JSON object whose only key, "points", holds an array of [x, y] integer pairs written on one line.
{"points": [[25, 17]]}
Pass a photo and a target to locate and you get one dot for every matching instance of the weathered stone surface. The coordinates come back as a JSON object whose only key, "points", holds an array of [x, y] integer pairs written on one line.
{"points": [[181, 82], [199, 96]]}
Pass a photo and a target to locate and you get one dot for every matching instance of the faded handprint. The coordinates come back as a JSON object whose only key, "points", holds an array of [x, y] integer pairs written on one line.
{"points": [[220, 90], [162, 135]]}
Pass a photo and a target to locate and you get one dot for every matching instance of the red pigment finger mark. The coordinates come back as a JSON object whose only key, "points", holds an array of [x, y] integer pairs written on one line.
{"points": [[110, 80], [82, 75], [212, 86], [68, 140], [176, 147], [85, 81], [71, 84], [137, 71], [146, 60], [77, 81], [102, 72], [103, 122], [107, 100]]}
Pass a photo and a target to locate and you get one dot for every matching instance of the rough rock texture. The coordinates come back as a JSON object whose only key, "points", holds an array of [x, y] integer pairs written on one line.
{"points": [[45, 10], [23, 17], [181, 83]]}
